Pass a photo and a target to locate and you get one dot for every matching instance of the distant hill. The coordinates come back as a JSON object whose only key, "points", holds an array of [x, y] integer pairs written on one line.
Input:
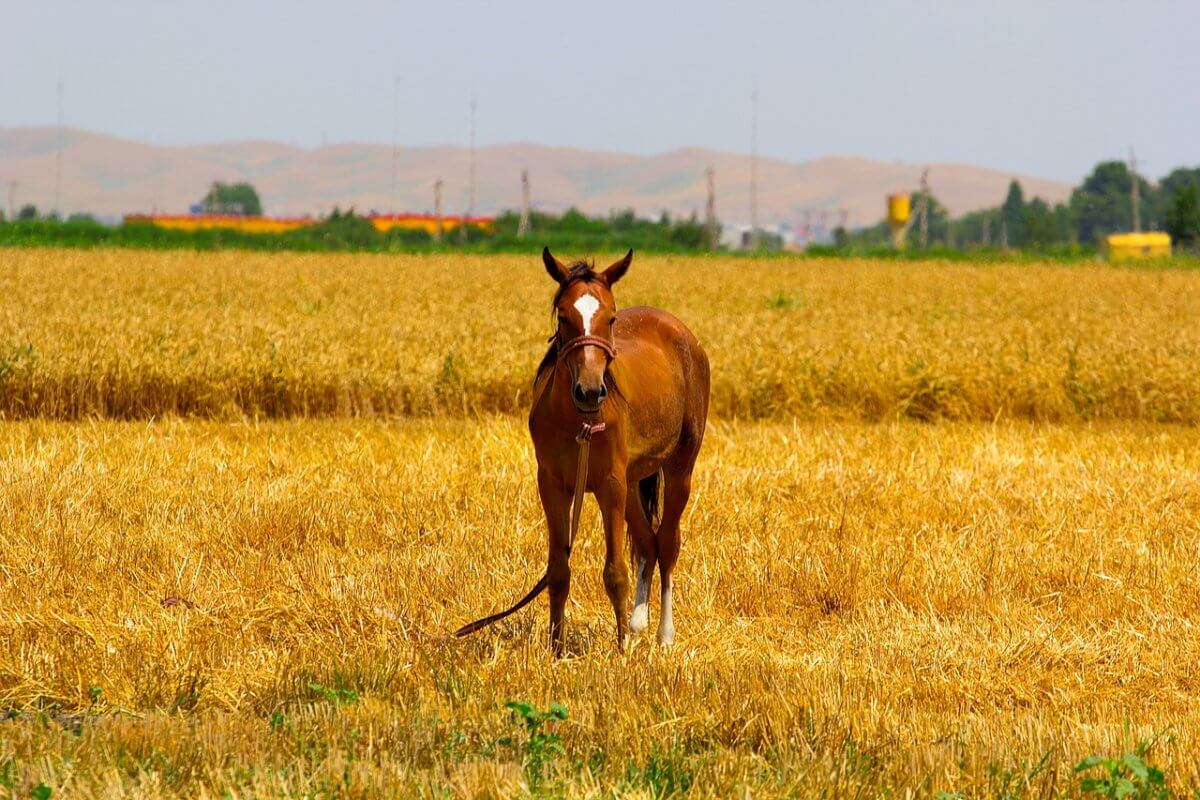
{"points": [[109, 176]]}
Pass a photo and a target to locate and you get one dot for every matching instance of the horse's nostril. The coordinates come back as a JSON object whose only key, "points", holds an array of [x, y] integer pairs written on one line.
{"points": [[603, 393], [579, 395]]}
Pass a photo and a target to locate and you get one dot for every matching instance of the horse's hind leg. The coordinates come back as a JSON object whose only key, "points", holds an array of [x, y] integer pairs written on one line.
{"points": [[645, 552], [676, 493]]}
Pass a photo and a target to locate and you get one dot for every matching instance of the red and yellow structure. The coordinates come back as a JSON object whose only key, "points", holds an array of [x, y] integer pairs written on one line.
{"points": [[383, 223], [429, 223]]}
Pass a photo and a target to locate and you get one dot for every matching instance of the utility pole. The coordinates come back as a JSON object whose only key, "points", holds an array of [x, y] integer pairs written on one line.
{"points": [[395, 142], [987, 231], [12, 200], [437, 210], [710, 209], [523, 225], [58, 156], [754, 168], [924, 209], [1003, 233], [462, 229], [1133, 191]]}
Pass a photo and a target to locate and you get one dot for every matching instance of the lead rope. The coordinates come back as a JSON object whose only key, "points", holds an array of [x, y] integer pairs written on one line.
{"points": [[584, 439]]}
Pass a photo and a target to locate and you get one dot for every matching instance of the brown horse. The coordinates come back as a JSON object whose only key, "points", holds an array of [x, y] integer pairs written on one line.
{"points": [[643, 375]]}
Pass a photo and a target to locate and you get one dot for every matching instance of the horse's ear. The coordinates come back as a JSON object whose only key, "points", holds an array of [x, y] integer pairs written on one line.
{"points": [[617, 270], [553, 266]]}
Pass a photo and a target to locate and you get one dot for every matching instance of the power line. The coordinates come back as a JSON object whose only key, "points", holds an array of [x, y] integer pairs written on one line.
{"points": [[924, 208], [12, 199], [58, 156], [710, 209], [523, 225], [437, 210], [395, 140], [462, 230], [1133, 191], [754, 167]]}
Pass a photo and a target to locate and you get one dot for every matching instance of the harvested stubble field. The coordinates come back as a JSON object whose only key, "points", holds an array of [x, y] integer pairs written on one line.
{"points": [[244, 606]]}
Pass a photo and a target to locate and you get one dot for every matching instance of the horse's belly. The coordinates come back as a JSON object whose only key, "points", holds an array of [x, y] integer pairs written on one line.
{"points": [[650, 441]]}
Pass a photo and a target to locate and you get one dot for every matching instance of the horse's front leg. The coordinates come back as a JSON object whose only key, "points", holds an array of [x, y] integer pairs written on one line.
{"points": [[556, 502], [610, 494]]}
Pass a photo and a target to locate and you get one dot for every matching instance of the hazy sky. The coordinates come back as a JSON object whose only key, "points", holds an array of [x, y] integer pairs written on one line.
{"points": [[1045, 87]]}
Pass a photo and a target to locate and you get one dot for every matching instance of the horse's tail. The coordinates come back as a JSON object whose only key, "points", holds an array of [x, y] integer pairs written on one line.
{"points": [[648, 489], [537, 589]]}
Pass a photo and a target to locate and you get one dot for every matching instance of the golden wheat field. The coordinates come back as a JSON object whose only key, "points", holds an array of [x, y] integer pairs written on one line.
{"points": [[132, 335], [943, 536]]}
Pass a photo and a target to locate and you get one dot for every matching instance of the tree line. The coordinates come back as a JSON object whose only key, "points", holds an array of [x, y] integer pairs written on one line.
{"points": [[1100, 205]]}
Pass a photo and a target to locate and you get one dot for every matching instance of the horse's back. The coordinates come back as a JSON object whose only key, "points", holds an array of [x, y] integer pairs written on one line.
{"points": [[642, 330]]}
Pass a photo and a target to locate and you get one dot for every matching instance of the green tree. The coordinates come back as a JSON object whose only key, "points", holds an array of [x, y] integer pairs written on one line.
{"points": [[1178, 179], [1183, 216], [1102, 204], [232, 198], [28, 211], [970, 227], [1039, 227], [1012, 215], [1177, 196], [1064, 221]]}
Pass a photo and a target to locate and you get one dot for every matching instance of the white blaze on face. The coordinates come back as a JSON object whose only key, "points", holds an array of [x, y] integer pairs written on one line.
{"points": [[587, 306]]}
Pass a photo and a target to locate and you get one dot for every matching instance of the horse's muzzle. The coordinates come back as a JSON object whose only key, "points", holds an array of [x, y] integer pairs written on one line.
{"points": [[589, 400]]}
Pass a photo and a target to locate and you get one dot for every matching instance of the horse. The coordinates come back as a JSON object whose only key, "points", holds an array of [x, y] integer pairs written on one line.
{"points": [[636, 382]]}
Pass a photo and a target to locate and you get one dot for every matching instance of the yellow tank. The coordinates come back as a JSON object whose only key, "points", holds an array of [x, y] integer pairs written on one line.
{"points": [[899, 208], [1128, 246]]}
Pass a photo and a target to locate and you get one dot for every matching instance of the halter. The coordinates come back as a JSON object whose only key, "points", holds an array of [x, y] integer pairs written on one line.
{"points": [[585, 341]]}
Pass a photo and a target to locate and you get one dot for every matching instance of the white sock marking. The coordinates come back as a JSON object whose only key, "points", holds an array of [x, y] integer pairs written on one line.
{"points": [[587, 306], [640, 617], [666, 623]]}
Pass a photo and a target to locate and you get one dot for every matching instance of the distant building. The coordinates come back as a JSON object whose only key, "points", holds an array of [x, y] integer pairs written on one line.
{"points": [[783, 236]]}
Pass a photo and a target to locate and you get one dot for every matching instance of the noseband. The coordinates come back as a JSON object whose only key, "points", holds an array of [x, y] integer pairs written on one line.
{"points": [[588, 341]]}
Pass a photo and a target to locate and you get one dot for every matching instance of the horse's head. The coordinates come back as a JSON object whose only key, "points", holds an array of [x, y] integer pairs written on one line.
{"points": [[585, 312]]}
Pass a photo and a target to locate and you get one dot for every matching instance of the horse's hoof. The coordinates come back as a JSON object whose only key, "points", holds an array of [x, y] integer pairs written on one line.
{"points": [[666, 637]]}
